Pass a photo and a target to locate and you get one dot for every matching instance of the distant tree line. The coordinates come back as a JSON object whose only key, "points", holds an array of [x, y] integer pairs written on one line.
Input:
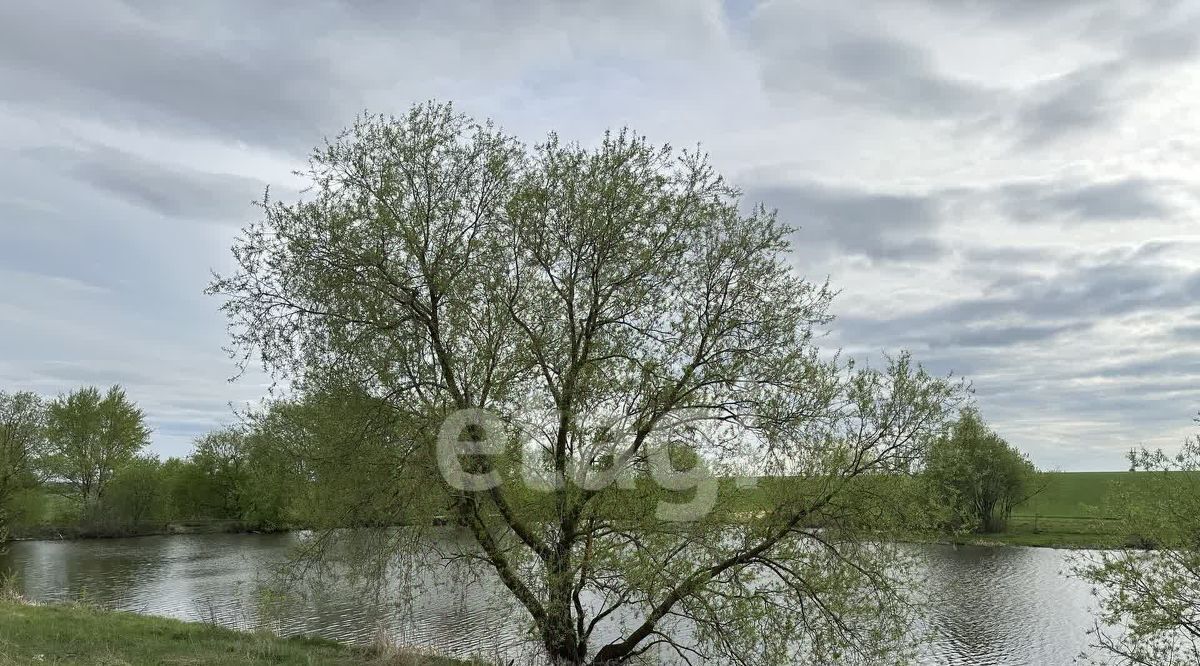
{"points": [[80, 461]]}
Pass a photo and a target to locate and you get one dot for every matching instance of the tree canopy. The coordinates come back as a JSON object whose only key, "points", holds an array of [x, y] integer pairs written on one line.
{"points": [[520, 326]]}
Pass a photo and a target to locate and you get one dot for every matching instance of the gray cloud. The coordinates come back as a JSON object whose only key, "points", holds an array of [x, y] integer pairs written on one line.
{"points": [[1005, 336], [1124, 199], [164, 189], [251, 74], [1171, 364], [1178, 41], [1024, 11], [1151, 40], [886, 226], [803, 53], [94, 373], [1110, 289], [1187, 332], [1007, 256], [1021, 308], [877, 225], [136, 67], [1078, 101], [854, 59]]}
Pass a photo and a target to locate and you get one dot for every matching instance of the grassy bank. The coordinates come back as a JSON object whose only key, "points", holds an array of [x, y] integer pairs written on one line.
{"points": [[1051, 533], [73, 634]]}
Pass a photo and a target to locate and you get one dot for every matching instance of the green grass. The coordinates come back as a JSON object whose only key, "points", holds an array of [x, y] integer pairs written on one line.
{"points": [[74, 634], [1077, 494], [1072, 510], [1052, 533]]}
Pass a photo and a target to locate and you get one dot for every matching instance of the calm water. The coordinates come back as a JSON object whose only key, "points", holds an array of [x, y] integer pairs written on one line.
{"points": [[1003, 605]]}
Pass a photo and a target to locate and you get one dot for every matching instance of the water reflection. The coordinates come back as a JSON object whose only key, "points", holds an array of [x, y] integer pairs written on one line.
{"points": [[1004, 605], [1001, 605]]}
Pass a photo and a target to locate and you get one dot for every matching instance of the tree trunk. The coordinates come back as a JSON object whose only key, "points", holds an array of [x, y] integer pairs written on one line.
{"points": [[562, 644], [561, 635]]}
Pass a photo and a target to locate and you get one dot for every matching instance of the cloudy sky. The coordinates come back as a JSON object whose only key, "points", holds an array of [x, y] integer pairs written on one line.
{"points": [[1011, 190]]}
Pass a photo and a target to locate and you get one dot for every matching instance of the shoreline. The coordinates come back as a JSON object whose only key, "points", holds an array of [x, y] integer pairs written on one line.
{"points": [[1053, 539], [1047, 541], [89, 533]]}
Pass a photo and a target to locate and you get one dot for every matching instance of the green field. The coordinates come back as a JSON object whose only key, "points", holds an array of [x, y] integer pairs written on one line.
{"points": [[1077, 494], [1070, 510], [1073, 510], [74, 634]]}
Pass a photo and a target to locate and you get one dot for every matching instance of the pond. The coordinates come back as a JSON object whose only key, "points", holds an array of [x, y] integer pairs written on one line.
{"points": [[993, 605]]}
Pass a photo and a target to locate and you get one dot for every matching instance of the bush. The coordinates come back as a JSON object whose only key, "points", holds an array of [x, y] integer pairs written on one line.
{"points": [[977, 475]]}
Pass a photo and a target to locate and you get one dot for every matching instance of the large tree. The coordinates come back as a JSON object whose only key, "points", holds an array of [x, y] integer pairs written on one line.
{"points": [[22, 445], [556, 309], [92, 435]]}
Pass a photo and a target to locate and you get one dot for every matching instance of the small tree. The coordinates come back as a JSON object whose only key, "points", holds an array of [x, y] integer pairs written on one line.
{"points": [[184, 489], [22, 446], [92, 435], [1153, 594], [137, 493], [239, 472], [220, 460], [977, 474]]}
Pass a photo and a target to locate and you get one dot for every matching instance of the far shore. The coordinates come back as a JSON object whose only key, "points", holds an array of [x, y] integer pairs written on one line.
{"points": [[1073, 534], [1074, 510]]}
